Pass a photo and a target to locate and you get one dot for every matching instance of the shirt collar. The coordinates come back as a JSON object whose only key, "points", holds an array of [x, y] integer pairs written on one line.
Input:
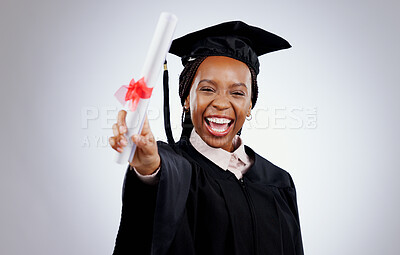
{"points": [[219, 156]]}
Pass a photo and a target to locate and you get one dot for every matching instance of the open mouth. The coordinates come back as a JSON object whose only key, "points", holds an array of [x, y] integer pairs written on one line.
{"points": [[218, 126]]}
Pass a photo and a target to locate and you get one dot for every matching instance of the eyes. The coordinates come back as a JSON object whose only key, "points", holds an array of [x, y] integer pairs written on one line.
{"points": [[239, 93], [206, 89], [234, 91]]}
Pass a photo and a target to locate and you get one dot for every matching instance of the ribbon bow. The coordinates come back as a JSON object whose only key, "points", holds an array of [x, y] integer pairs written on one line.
{"points": [[135, 91]]}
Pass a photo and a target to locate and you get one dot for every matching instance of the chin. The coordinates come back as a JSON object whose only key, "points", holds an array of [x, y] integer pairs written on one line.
{"points": [[219, 140]]}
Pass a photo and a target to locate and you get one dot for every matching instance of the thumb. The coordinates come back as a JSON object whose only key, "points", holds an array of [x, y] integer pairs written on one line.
{"points": [[146, 127], [146, 144]]}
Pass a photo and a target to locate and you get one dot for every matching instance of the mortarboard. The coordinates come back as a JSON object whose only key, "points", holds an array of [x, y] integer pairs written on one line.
{"points": [[233, 39]]}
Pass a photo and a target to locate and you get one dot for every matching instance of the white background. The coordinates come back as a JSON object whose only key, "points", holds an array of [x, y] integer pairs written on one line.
{"points": [[61, 62]]}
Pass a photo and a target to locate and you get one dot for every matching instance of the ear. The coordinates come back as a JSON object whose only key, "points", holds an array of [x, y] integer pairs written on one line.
{"points": [[187, 102], [249, 110]]}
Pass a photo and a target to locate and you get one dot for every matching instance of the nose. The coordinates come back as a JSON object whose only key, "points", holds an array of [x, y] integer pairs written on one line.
{"points": [[221, 102]]}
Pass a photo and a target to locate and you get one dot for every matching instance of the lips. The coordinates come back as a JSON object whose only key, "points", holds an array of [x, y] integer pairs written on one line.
{"points": [[218, 126]]}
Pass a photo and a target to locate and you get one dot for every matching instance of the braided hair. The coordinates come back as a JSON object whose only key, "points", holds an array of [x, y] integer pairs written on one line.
{"points": [[185, 83]]}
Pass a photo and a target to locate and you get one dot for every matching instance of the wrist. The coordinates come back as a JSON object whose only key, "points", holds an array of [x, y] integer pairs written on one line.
{"points": [[148, 169]]}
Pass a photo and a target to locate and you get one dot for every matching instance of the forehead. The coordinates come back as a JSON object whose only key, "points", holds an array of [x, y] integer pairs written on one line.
{"points": [[222, 68]]}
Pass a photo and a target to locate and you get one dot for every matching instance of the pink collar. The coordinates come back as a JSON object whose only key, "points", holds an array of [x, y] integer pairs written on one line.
{"points": [[221, 157]]}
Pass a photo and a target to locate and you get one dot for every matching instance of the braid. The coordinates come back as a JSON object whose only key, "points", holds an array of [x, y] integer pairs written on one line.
{"points": [[254, 86], [187, 76]]}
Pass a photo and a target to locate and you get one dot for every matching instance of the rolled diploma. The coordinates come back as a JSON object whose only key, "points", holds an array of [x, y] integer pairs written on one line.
{"points": [[156, 55]]}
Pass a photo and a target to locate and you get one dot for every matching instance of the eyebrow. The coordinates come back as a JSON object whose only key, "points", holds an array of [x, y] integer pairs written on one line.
{"points": [[236, 84], [239, 84], [208, 81]]}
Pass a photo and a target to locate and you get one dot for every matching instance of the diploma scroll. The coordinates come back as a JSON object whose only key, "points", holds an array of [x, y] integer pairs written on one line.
{"points": [[154, 61]]}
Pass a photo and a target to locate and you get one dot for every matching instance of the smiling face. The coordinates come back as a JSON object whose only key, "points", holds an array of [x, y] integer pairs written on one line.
{"points": [[219, 100]]}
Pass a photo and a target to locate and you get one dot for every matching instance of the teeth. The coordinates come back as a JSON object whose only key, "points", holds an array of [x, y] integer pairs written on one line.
{"points": [[219, 130], [219, 120]]}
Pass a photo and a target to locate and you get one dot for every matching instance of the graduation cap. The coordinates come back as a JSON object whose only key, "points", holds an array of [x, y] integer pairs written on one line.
{"points": [[234, 39]]}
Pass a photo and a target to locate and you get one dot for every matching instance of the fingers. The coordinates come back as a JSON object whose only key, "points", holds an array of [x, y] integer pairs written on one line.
{"points": [[115, 144], [118, 141], [142, 141], [145, 141], [121, 117], [115, 129], [121, 121], [147, 144]]}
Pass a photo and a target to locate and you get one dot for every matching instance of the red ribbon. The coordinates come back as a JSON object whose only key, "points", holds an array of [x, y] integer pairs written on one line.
{"points": [[135, 91]]}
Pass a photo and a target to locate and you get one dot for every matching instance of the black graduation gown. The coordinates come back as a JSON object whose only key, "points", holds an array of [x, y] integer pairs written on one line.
{"points": [[198, 208]]}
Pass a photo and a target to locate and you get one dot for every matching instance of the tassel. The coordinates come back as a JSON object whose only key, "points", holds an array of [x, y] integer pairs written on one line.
{"points": [[167, 121]]}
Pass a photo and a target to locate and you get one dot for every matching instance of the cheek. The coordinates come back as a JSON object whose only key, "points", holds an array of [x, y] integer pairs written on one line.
{"points": [[198, 108], [195, 109], [242, 109], [193, 106], [192, 98]]}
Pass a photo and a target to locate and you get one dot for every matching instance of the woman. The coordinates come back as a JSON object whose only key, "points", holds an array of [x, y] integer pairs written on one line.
{"points": [[208, 193]]}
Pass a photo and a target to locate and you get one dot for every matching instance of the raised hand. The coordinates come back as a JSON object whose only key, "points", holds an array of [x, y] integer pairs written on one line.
{"points": [[146, 159]]}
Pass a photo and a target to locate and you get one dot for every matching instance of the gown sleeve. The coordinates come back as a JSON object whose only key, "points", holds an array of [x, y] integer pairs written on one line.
{"points": [[151, 213], [289, 195], [138, 204], [292, 200]]}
